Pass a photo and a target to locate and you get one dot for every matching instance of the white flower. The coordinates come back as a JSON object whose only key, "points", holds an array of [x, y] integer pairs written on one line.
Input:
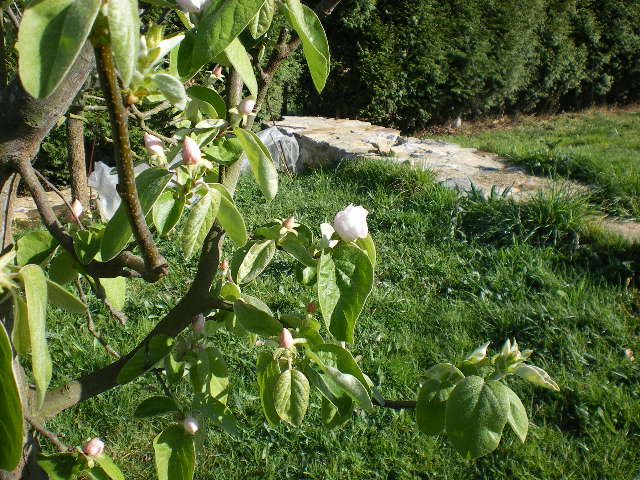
{"points": [[479, 354], [153, 145], [190, 425], [105, 184], [351, 223], [94, 447], [192, 5], [327, 231], [246, 105], [537, 376], [286, 340], [190, 152], [76, 208]]}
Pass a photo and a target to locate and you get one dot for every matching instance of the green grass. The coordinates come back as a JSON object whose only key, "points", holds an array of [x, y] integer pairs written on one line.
{"points": [[601, 149], [452, 273]]}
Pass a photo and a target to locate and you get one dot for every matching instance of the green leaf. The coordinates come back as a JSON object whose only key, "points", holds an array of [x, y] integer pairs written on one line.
{"points": [[175, 454], [199, 222], [262, 21], [221, 22], [214, 105], [145, 358], [251, 260], [172, 88], [314, 40], [86, 244], [230, 292], [349, 385], [335, 416], [476, 414], [240, 61], [341, 359], [106, 463], [61, 297], [62, 466], [232, 221], [51, 35], [210, 375], [432, 398], [35, 289], [35, 247], [124, 30], [173, 368], [20, 335], [267, 374], [115, 290], [517, 415], [11, 420], [345, 279], [157, 405], [117, 234], [226, 152], [262, 166], [291, 396], [63, 268], [255, 316], [167, 212], [218, 413], [367, 245], [295, 247]]}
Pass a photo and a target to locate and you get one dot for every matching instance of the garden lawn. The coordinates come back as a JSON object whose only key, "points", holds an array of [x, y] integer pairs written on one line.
{"points": [[452, 273], [599, 148]]}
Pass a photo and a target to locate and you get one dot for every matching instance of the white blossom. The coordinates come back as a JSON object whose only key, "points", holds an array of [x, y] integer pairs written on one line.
{"points": [[93, 447], [351, 223], [190, 425]]}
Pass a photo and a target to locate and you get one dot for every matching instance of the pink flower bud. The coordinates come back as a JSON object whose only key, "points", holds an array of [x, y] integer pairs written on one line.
{"points": [[259, 343], [286, 340], [289, 223], [76, 208], [153, 145], [94, 447], [217, 71], [190, 425], [190, 152], [198, 324], [312, 307], [246, 106], [224, 265]]}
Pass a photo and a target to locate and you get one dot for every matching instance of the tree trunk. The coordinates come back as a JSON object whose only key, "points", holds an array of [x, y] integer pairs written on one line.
{"points": [[77, 161]]}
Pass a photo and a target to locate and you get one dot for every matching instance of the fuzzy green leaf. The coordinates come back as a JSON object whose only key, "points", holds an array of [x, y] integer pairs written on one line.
{"points": [[291, 396], [255, 316], [267, 374], [167, 212], [432, 398], [262, 166], [11, 420], [199, 222], [240, 61], [156, 405], [251, 260], [124, 30], [35, 247], [175, 454], [61, 297]]}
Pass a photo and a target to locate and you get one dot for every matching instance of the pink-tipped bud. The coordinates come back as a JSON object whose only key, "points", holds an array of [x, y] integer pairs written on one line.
{"points": [[312, 307], [246, 106], [286, 340], [153, 145], [217, 71], [289, 223], [198, 324], [259, 343], [93, 447], [76, 208], [190, 425], [224, 265], [190, 152]]}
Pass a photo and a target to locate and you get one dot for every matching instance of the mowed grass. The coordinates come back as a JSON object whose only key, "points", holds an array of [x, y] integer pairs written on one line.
{"points": [[452, 273], [600, 148]]}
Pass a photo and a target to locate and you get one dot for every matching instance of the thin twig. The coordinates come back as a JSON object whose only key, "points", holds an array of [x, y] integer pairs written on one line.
{"points": [[59, 193], [52, 437], [13, 18], [167, 391], [140, 116], [91, 326]]}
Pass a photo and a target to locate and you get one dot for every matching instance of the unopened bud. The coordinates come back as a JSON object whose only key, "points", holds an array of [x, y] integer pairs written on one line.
{"points": [[224, 265], [153, 145], [190, 152], [286, 340], [198, 324], [259, 343], [190, 425], [289, 223], [312, 307], [246, 106], [217, 71], [93, 447], [76, 208], [131, 99]]}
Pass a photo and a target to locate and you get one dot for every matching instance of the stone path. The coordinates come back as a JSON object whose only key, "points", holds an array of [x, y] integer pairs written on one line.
{"points": [[317, 141], [325, 141]]}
